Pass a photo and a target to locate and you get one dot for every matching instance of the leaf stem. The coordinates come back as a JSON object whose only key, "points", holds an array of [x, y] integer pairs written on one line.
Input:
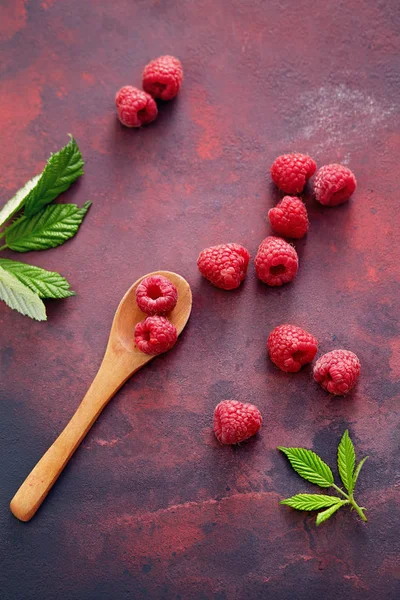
{"points": [[351, 501], [340, 491], [357, 508], [4, 247]]}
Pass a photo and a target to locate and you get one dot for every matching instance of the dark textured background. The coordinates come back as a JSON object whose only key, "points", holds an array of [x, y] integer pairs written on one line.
{"points": [[150, 506]]}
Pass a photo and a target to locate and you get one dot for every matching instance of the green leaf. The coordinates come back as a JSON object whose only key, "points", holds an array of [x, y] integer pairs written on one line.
{"points": [[309, 466], [62, 169], [358, 469], [20, 298], [324, 515], [49, 228], [346, 459], [311, 501], [46, 284], [17, 201]]}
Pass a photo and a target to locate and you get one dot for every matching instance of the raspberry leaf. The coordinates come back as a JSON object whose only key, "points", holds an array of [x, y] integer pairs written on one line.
{"points": [[311, 501], [346, 460], [358, 469], [19, 297], [324, 515], [309, 466], [61, 170], [46, 284], [17, 201], [50, 227]]}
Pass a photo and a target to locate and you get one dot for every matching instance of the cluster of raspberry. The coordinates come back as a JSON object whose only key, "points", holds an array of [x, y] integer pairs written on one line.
{"points": [[276, 263]]}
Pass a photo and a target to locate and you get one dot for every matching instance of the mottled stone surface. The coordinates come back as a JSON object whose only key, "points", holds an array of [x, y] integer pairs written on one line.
{"points": [[150, 506]]}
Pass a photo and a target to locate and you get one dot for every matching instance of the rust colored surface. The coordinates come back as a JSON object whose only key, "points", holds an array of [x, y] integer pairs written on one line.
{"points": [[150, 506]]}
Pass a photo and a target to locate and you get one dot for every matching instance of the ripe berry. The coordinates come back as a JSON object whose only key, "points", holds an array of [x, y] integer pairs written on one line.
{"points": [[334, 184], [155, 335], [289, 217], [224, 265], [236, 421], [291, 171], [134, 107], [276, 261], [290, 347], [162, 77], [156, 295], [337, 371]]}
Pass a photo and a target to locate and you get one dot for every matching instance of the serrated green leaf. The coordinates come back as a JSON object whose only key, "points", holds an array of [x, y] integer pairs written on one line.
{"points": [[358, 469], [310, 501], [17, 201], [309, 466], [324, 515], [46, 284], [61, 170], [49, 228], [346, 459], [19, 297]]}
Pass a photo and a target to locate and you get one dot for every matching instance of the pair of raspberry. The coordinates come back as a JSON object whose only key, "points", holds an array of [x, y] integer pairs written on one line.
{"points": [[156, 296], [334, 184], [289, 348], [225, 265], [162, 78]]}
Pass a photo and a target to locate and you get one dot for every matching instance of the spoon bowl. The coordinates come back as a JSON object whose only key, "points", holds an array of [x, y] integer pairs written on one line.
{"points": [[128, 314], [121, 360]]}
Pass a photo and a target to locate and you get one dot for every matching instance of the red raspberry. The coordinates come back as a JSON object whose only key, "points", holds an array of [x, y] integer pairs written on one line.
{"points": [[224, 265], [155, 335], [156, 295], [337, 371], [134, 107], [236, 421], [334, 184], [291, 171], [289, 217], [162, 77], [290, 347], [276, 261]]}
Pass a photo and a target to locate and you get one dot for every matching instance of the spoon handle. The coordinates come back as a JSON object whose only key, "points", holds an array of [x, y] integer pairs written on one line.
{"points": [[43, 476]]}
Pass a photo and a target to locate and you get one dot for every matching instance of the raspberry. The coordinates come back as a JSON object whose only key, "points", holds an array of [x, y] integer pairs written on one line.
{"points": [[290, 347], [156, 295], [289, 217], [334, 184], [276, 261], [236, 421], [291, 171], [155, 335], [134, 107], [162, 77], [337, 371], [224, 265]]}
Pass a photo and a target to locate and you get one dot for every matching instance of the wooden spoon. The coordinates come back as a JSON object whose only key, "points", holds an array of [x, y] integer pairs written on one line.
{"points": [[121, 360]]}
